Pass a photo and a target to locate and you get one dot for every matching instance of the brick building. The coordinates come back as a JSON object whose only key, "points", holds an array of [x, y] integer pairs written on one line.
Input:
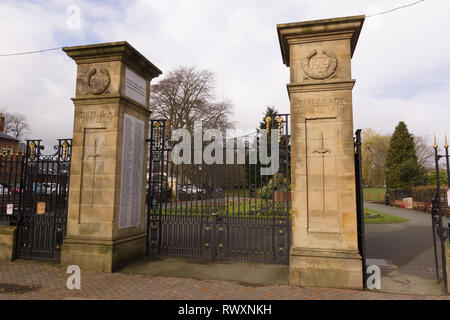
{"points": [[8, 144]]}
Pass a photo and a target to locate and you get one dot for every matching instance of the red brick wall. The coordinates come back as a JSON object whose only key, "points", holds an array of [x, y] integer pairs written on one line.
{"points": [[5, 143]]}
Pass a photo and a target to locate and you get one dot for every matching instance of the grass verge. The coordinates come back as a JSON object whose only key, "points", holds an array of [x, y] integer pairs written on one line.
{"points": [[374, 216], [374, 194]]}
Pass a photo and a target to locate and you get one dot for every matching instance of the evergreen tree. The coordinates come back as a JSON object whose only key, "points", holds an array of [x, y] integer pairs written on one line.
{"points": [[253, 172], [432, 180], [270, 112], [404, 170]]}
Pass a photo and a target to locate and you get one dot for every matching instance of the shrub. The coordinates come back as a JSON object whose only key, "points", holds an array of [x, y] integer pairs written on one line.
{"points": [[277, 183], [427, 193], [432, 177]]}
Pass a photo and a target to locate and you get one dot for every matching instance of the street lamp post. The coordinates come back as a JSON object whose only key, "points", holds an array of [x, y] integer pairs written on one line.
{"points": [[386, 196]]}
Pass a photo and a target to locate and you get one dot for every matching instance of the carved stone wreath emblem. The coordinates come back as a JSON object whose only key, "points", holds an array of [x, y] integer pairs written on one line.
{"points": [[320, 68], [97, 83]]}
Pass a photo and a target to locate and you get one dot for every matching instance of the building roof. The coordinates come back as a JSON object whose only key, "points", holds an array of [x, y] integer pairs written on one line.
{"points": [[7, 136]]}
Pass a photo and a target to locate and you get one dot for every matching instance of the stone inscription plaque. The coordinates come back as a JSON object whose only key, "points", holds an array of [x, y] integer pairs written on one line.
{"points": [[95, 118], [322, 182], [132, 170], [135, 86], [314, 108]]}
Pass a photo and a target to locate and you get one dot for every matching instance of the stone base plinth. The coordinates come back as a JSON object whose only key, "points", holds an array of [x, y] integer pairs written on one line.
{"points": [[325, 268], [7, 234], [447, 266], [102, 255]]}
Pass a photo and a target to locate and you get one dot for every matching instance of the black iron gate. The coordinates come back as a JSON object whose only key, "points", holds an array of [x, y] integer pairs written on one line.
{"points": [[360, 202], [35, 189], [219, 211], [439, 230]]}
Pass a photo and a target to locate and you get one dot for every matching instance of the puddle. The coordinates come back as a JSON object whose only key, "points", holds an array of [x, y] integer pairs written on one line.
{"points": [[12, 288]]}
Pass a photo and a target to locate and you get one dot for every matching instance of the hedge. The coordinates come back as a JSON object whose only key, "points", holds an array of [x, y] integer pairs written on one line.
{"points": [[427, 193]]}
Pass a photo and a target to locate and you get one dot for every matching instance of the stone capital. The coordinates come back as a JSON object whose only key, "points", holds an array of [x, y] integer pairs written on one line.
{"points": [[317, 31], [109, 70], [113, 51]]}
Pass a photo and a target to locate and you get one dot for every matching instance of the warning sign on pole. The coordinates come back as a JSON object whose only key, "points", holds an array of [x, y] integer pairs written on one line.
{"points": [[9, 208]]}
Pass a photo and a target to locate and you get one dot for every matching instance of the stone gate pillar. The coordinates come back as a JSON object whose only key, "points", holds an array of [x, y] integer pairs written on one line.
{"points": [[106, 218], [324, 226]]}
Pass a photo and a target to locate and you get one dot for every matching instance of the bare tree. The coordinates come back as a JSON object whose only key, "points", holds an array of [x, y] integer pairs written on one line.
{"points": [[375, 147], [186, 95], [16, 125], [424, 151]]}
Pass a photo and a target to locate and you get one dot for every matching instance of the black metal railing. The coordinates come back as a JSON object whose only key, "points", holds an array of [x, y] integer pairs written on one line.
{"points": [[399, 194], [11, 167], [439, 230], [34, 196], [360, 202], [219, 211]]}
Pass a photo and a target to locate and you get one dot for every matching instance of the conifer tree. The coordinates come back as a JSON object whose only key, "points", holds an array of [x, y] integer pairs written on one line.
{"points": [[253, 172], [404, 170]]}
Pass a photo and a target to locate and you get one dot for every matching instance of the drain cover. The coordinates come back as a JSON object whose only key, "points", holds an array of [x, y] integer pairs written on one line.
{"points": [[16, 288]]}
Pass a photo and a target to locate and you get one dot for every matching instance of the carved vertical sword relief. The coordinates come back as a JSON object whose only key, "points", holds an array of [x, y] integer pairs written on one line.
{"points": [[322, 151]]}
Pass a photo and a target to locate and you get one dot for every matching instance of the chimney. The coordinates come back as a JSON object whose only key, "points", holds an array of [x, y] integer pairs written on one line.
{"points": [[2, 123]]}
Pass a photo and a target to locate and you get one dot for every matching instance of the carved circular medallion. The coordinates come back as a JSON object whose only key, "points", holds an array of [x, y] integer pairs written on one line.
{"points": [[97, 83], [320, 68]]}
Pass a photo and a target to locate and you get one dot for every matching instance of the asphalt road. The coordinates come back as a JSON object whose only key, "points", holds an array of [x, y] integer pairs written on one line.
{"points": [[409, 245]]}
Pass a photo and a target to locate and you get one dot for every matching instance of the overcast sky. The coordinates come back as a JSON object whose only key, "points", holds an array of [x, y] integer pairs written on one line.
{"points": [[401, 63]]}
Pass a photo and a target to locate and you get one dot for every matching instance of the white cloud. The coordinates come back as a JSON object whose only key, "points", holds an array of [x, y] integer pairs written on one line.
{"points": [[400, 63]]}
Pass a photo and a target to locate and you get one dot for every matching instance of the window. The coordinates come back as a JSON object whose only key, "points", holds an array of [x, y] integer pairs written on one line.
{"points": [[6, 151]]}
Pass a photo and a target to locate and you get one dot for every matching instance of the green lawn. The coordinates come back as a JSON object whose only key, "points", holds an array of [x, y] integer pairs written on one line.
{"points": [[374, 194], [249, 208], [373, 216]]}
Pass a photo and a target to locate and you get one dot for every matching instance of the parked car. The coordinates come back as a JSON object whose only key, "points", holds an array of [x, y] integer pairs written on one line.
{"points": [[38, 188], [206, 188], [188, 189], [194, 189], [155, 193], [50, 188], [3, 190], [11, 188]]}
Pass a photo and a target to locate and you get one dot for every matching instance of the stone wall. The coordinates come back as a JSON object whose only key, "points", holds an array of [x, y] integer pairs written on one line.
{"points": [[324, 219], [106, 225], [7, 234]]}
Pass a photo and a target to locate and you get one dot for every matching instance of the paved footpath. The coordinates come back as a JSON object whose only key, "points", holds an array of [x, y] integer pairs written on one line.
{"points": [[408, 247], [24, 280]]}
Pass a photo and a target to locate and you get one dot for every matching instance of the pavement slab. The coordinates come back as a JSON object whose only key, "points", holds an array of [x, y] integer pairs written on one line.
{"points": [[408, 248], [49, 283]]}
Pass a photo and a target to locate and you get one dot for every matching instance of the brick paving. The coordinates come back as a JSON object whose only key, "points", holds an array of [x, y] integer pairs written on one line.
{"points": [[25, 280]]}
